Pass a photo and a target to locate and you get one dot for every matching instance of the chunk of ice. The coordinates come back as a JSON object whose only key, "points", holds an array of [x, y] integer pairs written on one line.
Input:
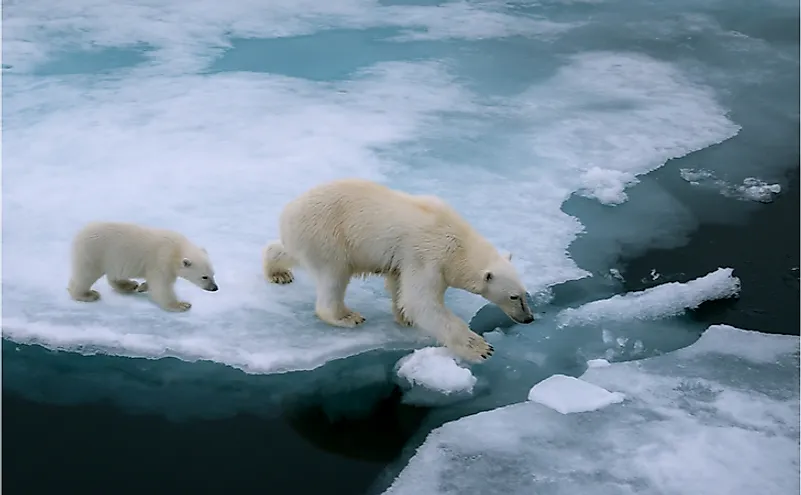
{"points": [[597, 363], [657, 302], [718, 417], [568, 395], [607, 186], [435, 368], [752, 189]]}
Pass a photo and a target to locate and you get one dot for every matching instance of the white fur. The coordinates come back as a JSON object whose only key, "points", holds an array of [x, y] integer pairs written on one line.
{"points": [[123, 251], [420, 245]]}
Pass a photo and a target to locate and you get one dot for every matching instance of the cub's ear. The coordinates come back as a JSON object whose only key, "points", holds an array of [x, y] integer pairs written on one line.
{"points": [[186, 262], [487, 276], [204, 250]]}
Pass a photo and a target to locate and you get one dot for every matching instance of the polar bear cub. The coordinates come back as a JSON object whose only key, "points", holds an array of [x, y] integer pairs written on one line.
{"points": [[123, 251], [419, 244]]}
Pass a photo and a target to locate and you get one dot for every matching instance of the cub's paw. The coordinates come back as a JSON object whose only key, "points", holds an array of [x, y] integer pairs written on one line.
{"points": [[179, 306], [471, 347], [281, 277], [142, 287], [124, 286], [88, 296]]}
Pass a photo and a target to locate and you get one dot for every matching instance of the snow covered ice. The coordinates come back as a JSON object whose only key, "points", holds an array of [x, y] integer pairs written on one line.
{"points": [[568, 395], [660, 301], [718, 417], [208, 119], [169, 140], [431, 373]]}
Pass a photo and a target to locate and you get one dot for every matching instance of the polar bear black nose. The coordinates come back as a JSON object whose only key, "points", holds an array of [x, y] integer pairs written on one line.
{"points": [[211, 288]]}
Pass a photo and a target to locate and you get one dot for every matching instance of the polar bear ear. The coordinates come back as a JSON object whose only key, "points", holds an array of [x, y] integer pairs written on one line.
{"points": [[186, 262], [204, 250]]}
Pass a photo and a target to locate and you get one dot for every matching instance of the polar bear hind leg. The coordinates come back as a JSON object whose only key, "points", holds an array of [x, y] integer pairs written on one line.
{"points": [[330, 306], [84, 275], [278, 264]]}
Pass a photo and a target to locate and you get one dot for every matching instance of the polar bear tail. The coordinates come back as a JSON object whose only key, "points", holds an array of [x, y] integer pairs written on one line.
{"points": [[277, 263]]}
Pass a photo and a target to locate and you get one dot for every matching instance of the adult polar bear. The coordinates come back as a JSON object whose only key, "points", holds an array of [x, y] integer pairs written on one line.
{"points": [[354, 227]]}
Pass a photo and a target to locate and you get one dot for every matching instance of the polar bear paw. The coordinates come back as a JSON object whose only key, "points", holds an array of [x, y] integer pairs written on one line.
{"points": [[401, 318], [471, 347], [124, 286], [179, 306], [142, 287], [349, 319], [88, 296], [281, 277]]}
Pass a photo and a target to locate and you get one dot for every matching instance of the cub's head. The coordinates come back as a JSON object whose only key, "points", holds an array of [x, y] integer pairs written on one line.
{"points": [[502, 286], [196, 267]]}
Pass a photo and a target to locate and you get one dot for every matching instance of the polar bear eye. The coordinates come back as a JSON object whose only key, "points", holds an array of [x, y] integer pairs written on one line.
{"points": [[204, 277], [514, 298]]}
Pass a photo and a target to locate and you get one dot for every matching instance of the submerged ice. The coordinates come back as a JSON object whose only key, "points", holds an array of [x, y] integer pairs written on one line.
{"points": [[718, 417]]}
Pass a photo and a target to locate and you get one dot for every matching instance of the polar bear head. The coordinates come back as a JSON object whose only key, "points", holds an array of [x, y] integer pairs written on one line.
{"points": [[502, 286], [196, 268]]}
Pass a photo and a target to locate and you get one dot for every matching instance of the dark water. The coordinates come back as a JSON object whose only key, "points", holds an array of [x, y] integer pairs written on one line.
{"points": [[90, 444]]}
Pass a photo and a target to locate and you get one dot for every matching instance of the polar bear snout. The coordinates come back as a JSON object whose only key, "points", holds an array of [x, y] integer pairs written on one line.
{"points": [[212, 287], [526, 320], [517, 308]]}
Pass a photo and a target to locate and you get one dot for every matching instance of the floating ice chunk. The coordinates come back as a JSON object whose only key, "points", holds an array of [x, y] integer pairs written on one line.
{"points": [[607, 186], [752, 189], [597, 363], [568, 395], [435, 368], [657, 302], [757, 190], [697, 420], [696, 177]]}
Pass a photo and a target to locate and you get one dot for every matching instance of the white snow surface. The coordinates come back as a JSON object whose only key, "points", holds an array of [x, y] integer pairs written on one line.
{"points": [[718, 417], [568, 395]]}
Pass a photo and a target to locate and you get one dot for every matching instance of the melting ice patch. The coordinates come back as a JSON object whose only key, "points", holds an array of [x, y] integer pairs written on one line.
{"points": [[710, 418], [569, 395], [751, 189], [657, 302]]}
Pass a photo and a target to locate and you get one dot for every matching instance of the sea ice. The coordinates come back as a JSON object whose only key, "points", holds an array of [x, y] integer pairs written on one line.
{"points": [[751, 189], [164, 139], [568, 395], [657, 302], [435, 368], [715, 418]]}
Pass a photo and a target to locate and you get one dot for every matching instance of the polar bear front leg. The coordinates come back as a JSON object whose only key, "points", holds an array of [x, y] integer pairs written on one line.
{"points": [[162, 292], [330, 306], [392, 284], [422, 299]]}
